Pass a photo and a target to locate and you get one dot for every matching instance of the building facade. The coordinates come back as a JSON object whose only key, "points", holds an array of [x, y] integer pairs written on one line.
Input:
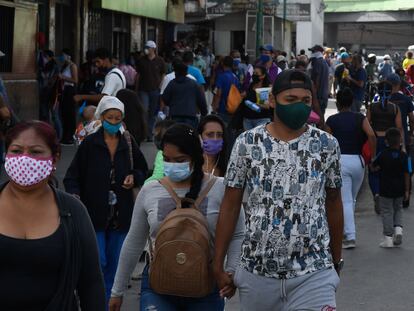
{"points": [[379, 26], [231, 24], [122, 26]]}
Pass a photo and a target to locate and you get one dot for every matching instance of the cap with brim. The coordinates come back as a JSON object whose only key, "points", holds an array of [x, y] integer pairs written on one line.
{"points": [[267, 47], [372, 55], [151, 44], [342, 48], [281, 58], [316, 48], [344, 55], [284, 81], [109, 102], [387, 57], [394, 79], [2, 54]]}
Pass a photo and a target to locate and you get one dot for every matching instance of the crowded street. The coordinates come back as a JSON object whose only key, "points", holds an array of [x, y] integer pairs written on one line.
{"points": [[362, 286], [206, 155]]}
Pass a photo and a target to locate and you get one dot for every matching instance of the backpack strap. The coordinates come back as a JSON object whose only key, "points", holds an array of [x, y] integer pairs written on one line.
{"points": [[171, 191], [119, 76], [128, 139], [205, 191]]}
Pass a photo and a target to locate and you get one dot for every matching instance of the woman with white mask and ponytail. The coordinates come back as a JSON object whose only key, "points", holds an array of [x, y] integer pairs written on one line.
{"points": [[48, 253], [185, 178]]}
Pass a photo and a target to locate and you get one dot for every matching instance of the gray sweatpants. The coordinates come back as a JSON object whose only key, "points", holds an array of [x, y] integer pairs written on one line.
{"points": [[391, 212], [311, 292]]}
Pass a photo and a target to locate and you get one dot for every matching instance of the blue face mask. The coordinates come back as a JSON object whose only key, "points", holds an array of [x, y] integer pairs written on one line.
{"points": [[264, 59], [177, 171], [111, 128]]}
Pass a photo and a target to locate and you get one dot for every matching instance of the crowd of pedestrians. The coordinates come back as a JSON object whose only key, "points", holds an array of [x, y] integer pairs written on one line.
{"points": [[251, 190]]}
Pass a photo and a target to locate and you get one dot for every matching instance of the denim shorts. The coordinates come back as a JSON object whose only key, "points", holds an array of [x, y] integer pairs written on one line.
{"points": [[151, 301]]}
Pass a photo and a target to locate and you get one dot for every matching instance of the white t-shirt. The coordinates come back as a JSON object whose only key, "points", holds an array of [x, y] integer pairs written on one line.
{"points": [[168, 78], [114, 81]]}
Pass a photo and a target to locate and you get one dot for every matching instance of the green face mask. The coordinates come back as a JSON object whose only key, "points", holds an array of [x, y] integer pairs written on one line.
{"points": [[294, 116]]}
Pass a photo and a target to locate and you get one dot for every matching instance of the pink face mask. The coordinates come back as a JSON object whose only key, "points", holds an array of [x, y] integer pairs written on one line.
{"points": [[26, 171]]}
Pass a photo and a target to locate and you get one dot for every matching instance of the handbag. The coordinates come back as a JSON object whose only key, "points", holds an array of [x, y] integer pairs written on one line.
{"points": [[128, 139], [366, 147], [233, 99]]}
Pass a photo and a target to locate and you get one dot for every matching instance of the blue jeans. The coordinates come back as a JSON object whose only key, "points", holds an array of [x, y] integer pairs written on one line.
{"points": [[57, 122], [150, 300], [109, 244], [249, 124], [373, 177], [151, 102]]}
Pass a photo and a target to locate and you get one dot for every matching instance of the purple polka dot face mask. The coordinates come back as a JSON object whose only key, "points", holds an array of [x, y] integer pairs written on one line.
{"points": [[27, 171]]}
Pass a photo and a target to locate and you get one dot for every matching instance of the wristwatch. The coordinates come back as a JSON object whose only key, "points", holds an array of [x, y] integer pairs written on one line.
{"points": [[339, 265]]}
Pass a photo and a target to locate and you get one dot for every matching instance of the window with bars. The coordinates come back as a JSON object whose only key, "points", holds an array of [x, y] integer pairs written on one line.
{"points": [[109, 30], [6, 37]]}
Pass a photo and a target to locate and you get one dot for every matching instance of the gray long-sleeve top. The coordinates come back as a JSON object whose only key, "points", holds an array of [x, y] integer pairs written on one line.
{"points": [[151, 207]]}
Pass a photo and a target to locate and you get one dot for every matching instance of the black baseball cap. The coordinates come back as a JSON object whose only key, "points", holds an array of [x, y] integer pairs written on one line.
{"points": [[284, 80], [316, 48]]}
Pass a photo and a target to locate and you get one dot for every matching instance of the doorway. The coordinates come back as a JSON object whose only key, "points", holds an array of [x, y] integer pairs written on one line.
{"points": [[237, 40]]}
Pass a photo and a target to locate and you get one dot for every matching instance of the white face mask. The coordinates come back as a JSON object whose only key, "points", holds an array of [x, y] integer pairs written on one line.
{"points": [[27, 171]]}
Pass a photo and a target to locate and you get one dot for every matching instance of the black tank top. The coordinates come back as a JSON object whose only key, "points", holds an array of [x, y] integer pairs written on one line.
{"points": [[30, 271], [383, 119]]}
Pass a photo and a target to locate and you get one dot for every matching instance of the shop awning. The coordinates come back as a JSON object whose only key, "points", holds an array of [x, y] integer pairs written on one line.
{"points": [[344, 6], [166, 10]]}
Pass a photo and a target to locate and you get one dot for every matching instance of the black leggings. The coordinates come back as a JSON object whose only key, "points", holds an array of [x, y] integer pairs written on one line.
{"points": [[68, 113]]}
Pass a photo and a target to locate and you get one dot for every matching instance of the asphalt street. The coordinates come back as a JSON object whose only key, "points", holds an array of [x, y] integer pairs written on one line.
{"points": [[373, 279]]}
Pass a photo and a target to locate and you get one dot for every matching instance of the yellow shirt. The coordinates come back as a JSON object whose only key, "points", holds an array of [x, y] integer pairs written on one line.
{"points": [[407, 63]]}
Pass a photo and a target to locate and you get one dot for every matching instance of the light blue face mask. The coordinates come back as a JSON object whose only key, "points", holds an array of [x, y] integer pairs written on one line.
{"points": [[177, 171], [111, 128]]}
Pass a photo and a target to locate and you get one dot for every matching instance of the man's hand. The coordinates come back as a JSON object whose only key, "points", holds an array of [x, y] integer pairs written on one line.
{"points": [[225, 284], [115, 304], [77, 98], [407, 196], [128, 182]]}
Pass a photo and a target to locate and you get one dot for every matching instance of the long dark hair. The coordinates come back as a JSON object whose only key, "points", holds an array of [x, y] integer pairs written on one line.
{"points": [[266, 81], [186, 139], [222, 156], [134, 114]]}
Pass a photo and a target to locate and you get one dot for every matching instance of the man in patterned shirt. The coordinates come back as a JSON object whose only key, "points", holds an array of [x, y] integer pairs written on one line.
{"points": [[294, 219]]}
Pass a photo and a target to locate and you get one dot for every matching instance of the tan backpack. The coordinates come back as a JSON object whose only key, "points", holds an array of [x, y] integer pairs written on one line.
{"points": [[181, 261]]}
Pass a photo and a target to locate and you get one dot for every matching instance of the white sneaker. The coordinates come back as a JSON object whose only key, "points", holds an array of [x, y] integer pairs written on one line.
{"points": [[387, 242], [398, 235]]}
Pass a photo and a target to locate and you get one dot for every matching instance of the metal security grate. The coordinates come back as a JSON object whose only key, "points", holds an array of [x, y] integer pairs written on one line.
{"points": [[99, 29], [6, 37]]}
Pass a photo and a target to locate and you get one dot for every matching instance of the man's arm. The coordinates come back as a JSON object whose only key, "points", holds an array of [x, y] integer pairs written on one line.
{"points": [[335, 216], [216, 100], [226, 224]]}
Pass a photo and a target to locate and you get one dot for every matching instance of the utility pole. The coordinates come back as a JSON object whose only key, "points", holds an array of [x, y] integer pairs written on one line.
{"points": [[259, 26], [284, 24]]}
